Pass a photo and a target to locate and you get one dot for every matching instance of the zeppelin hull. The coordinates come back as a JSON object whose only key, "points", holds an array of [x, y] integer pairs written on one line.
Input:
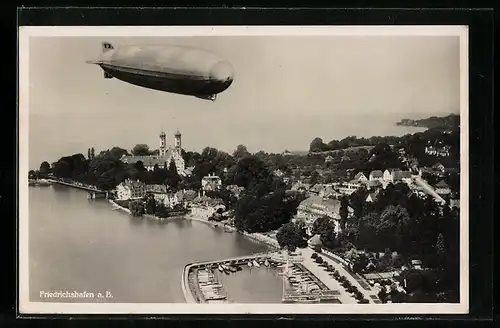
{"points": [[174, 83]]}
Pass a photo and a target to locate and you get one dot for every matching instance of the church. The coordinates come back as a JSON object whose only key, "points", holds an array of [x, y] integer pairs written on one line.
{"points": [[165, 156]]}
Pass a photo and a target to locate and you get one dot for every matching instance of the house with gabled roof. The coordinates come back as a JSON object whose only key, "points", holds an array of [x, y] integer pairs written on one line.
{"points": [[376, 175], [374, 184], [315, 206], [130, 189], [372, 197], [361, 177], [301, 186], [387, 176], [439, 167], [442, 188], [402, 176]]}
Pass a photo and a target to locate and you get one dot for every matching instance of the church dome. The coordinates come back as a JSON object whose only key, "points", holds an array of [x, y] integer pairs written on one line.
{"points": [[162, 134], [177, 134]]}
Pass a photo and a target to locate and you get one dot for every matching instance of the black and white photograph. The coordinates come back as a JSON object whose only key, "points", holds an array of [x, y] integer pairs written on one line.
{"points": [[243, 169]]}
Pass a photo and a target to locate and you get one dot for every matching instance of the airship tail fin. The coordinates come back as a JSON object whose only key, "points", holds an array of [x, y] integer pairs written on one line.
{"points": [[107, 75], [106, 46]]}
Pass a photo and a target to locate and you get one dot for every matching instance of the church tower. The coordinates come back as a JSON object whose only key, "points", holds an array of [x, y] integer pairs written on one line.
{"points": [[177, 140], [163, 144]]}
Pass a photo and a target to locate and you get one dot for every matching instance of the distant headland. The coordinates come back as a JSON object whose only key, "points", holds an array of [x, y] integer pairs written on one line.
{"points": [[447, 122]]}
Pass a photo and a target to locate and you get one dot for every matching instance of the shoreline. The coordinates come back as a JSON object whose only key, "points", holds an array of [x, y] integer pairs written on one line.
{"points": [[256, 237]]}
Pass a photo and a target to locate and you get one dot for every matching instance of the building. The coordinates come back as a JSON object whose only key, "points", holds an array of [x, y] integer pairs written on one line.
{"points": [[329, 192], [439, 167], [315, 206], [278, 173], [387, 176], [235, 190], [374, 184], [360, 177], [442, 188], [329, 159], [372, 197], [438, 151], [179, 197], [316, 189], [130, 189], [402, 176], [376, 175], [348, 188], [157, 190], [300, 186], [454, 200], [211, 183], [165, 156], [205, 207]]}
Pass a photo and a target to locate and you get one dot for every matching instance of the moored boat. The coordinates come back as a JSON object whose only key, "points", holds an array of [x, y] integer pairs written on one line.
{"points": [[255, 264]]}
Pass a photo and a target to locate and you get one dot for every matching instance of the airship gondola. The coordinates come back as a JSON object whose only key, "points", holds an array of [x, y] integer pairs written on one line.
{"points": [[174, 69]]}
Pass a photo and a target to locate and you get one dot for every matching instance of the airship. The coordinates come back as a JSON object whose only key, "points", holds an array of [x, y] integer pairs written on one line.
{"points": [[175, 69]]}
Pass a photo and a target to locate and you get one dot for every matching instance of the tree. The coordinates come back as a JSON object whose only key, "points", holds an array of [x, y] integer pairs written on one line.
{"points": [[173, 177], [62, 169], [343, 212], [291, 237], [136, 208], [141, 150], [119, 152], [252, 174], [161, 211], [150, 204], [314, 178], [92, 153], [44, 169], [240, 152], [88, 155], [317, 145], [172, 168]]}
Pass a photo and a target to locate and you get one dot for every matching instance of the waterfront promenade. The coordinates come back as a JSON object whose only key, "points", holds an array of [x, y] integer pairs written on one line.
{"points": [[369, 294]]}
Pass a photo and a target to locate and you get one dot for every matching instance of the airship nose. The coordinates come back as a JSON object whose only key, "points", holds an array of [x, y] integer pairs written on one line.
{"points": [[222, 71]]}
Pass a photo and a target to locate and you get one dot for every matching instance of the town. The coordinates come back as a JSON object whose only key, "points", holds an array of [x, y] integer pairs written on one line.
{"points": [[384, 209]]}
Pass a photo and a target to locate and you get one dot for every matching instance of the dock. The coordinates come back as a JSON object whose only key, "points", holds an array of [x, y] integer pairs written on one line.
{"points": [[191, 284]]}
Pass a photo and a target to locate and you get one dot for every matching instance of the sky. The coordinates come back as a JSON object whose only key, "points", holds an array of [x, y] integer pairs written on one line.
{"points": [[286, 91]]}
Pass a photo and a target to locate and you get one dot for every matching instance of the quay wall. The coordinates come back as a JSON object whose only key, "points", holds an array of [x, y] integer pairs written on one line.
{"points": [[186, 290]]}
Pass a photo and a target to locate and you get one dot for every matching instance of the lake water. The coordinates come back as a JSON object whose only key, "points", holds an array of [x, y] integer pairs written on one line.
{"points": [[80, 245]]}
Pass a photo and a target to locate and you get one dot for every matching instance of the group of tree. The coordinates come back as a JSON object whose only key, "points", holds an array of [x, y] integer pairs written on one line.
{"points": [[106, 170], [414, 227], [41, 173], [447, 122], [413, 144], [291, 236], [264, 205]]}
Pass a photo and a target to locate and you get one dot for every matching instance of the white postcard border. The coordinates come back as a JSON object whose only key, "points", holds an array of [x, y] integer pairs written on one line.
{"points": [[27, 307]]}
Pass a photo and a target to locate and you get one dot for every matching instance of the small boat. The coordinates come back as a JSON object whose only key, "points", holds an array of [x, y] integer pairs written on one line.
{"points": [[232, 268], [249, 263], [238, 268], [266, 263], [255, 264], [220, 268], [225, 267]]}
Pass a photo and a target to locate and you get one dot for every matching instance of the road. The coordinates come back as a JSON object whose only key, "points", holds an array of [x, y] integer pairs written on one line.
{"points": [[328, 280]]}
